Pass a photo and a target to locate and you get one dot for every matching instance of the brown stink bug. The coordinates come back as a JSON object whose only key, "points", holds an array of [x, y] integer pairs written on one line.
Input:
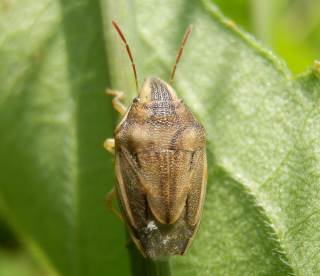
{"points": [[160, 165]]}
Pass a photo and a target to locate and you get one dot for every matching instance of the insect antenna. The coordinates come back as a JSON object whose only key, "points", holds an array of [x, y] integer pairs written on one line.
{"points": [[183, 43], [119, 31]]}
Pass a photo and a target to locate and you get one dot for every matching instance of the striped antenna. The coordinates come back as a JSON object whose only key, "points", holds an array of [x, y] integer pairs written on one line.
{"points": [[116, 26], [183, 43]]}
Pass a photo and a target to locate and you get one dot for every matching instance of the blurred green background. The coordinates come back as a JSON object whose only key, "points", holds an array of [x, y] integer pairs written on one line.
{"points": [[291, 28]]}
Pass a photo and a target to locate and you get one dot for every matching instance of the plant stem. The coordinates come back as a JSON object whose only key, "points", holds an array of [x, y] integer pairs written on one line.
{"points": [[141, 266]]}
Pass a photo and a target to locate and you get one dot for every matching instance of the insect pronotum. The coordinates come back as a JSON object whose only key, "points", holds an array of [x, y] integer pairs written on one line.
{"points": [[160, 165]]}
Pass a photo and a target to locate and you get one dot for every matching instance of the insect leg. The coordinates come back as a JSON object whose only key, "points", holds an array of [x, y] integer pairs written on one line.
{"points": [[116, 101], [109, 145], [109, 204]]}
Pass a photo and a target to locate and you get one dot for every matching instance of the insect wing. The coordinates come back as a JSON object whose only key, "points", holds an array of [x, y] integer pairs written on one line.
{"points": [[151, 237], [132, 197], [197, 190]]}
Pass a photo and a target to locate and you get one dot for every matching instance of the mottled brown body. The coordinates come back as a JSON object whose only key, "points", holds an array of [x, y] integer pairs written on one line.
{"points": [[161, 170]]}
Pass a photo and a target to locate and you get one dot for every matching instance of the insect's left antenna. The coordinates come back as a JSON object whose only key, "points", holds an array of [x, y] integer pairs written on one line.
{"points": [[116, 26], [183, 43]]}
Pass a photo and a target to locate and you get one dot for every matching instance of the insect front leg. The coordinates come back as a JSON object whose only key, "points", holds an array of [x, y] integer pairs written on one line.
{"points": [[109, 198], [116, 101], [120, 107]]}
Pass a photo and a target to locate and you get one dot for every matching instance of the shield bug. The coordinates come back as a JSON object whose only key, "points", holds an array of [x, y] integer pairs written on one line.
{"points": [[160, 165]]}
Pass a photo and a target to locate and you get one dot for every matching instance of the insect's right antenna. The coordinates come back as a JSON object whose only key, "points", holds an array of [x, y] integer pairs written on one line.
{"points": [[183, 43], [116, 26]]}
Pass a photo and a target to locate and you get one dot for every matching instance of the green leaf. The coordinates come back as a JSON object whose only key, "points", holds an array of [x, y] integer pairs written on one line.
{"points": [[54, 118], [56, 59], [18, 263]]}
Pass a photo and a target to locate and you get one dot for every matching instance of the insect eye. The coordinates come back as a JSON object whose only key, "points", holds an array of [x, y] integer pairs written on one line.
{"points": [[136, 100]]}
